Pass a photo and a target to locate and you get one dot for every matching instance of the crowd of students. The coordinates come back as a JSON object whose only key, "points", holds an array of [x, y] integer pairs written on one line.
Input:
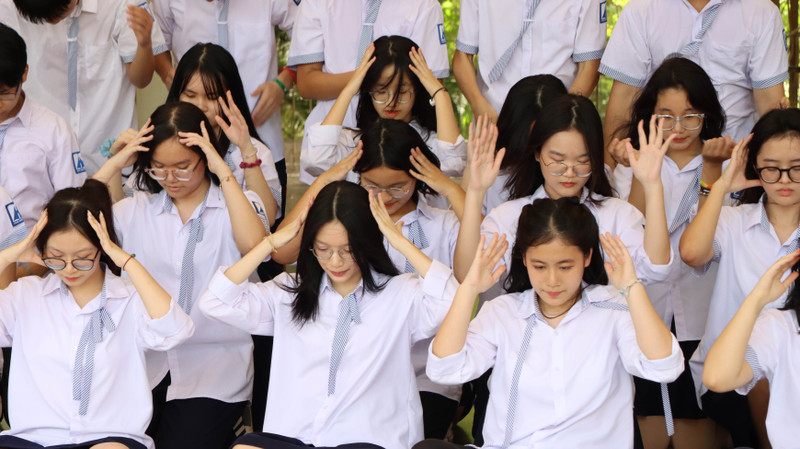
{"points": [[620, 266]]}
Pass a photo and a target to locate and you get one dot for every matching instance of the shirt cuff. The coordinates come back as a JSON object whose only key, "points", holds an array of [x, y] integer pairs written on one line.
{"points": [[445, 370], [587, 56], [170, 330], [751, 358], [452, 156], [435, 282], [620, 76], [223, 288], [294, 61], [319, 134], [466, 48], [664, 370], [769, 82]]}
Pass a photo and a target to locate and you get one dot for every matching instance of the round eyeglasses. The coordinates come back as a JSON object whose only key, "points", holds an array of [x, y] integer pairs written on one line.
{"points": [[327, 254], [382, 96], [583, 170], [181, 174], [394, 192], [771, 175], [689, 122], [81, 264]]}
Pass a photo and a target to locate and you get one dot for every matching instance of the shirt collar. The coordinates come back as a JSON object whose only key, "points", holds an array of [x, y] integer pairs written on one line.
{"points": [[163, 203], [116, 287], [541, 193], [325, 284], [88, 6], [24, 114], [589, 294], [690, 167], [758, 216]]}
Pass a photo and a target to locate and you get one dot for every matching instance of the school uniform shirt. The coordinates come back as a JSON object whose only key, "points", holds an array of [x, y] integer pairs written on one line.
{"points": [[217, 361], [612, 214], [441, 233], [376, 398], [12, 228], [329, 144], [38, 157], [575, 387], [745, 246], [105, 44], [743, 49], [42, 323], [558, 36], [329, 31], [773, 352], [250, 40]]}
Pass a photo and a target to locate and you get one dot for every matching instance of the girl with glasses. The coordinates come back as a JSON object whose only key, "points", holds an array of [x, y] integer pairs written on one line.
{"points": [[81, 334], [393, 81], [350, 314], [745, 241], [189, 217]]}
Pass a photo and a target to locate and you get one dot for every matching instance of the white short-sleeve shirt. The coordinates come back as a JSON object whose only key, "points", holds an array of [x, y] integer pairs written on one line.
{"points": [[743, 49], [561, 34], [575, 388], [42, 323], [376, 399], [329, 31], [105, 44], [39, 156], [12, 226], [251, 41], [217, 361]]}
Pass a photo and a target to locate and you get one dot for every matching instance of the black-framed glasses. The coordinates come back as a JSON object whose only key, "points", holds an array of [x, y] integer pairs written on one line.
{"points": [[181, 174], [80, 264], [382, 96], [771, 175], [10, 96], [327, 254], [395, 192], [689, 122], [582, 170]]}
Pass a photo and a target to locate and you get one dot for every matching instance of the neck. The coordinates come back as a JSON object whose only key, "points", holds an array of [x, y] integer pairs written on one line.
{"points": [[552, 194], [698, 4], [683, 157], [345, 288], [89, 289], [782, 216], [190, 202], [400, 213], [556, 312], [13, 112]]}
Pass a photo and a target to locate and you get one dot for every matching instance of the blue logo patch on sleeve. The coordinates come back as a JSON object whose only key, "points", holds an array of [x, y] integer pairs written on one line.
{"points": [[603, 17], [77, 163], [442, 39], [258, 208], [13, 214], [785, 40]]}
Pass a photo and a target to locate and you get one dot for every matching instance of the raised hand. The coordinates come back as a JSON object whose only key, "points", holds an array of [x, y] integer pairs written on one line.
{"points": [[618, 149], [717, 150], [419, 67], [288, 233], [770, 287], [129, 144], [733, 179], [237, 131], [482, 273], [141, 22], [354, 83], [484, 163], [215, 162], [393, 232], [646, 163], [117, 255], [343, 167], [24, 251], [427, 172], [620, 269]]}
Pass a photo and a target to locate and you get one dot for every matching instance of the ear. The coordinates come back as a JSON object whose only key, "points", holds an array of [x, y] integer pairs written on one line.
{"points": [[588, 259], [25, 74]]}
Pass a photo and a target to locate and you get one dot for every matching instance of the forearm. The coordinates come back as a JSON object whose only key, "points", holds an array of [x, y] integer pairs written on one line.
{"points": [[652, 336], [636, 196], [618, 113], [286, 79], [469, 234], [8, 275], [254, 181], [772, 97], [241, 270], [456, 197], [140, 71], [314, 84], [452, 333], [725, 367], [586, 78], [711, 172], [446, 125], [656, 232], [156, 300], [339, 109], [288, 253], [697, 241], [414, 255], [163, 66], [467, 80], [247, 227]]}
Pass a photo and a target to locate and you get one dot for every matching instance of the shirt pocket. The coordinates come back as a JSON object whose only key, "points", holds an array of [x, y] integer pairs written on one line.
{"points": [[95, 61], [727, 63]]}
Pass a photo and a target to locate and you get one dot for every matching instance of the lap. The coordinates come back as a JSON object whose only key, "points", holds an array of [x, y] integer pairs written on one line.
{"points": [[275, 441], [12, 442]]}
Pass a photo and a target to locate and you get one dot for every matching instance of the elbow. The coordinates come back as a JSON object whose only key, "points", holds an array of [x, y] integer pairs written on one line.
{"points": [[714, 382], [304, 87], [690, 255]]}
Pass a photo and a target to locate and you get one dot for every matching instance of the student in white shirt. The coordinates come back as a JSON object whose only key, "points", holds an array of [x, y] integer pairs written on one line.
{"points": [[403, 173], [115, 41], [39, 152], [518, 38], [352, 317], [764, 344], [393, 81], [329, 39], [745, 241], [190, 217], [247, 30], [80, 335], [563, 344], [681, 94], [741, 44]]}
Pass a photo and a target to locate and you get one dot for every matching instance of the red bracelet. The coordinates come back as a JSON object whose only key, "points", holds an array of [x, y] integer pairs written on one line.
{"points": [[292, 73], [129, 259], [244, 164]]}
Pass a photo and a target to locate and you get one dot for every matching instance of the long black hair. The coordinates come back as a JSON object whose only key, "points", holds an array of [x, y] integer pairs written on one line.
{"points": [[775, 124], [679, 73], [167, 121], [564, 113], [394, 51], [67, 210], [348, 204], [793, 297], [388, 143], [546, 220], [219, 73]]}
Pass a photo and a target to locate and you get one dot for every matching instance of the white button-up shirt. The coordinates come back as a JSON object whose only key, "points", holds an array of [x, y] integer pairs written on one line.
{"points": [[43, 324], [39, 157], [251, 41], [561, 34], [575, 388], [329, 31], [376, 398], [217, 361], [774, 353], [12, 226], [744, 49], [105, 44]]}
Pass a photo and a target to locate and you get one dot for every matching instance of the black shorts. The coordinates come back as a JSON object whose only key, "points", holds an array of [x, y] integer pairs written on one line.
{"points": [[275, 441], [12, 442], [682, 396]]}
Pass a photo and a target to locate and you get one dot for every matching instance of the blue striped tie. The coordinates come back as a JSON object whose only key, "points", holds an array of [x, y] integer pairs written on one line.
{"points": [[514, 392], [417, 237], [692, 47], [3, 130], [367, 29], [222, 25], [84, 357], [348, 312], [72, 63], [185, 299], [500, 65], [690, 198]]}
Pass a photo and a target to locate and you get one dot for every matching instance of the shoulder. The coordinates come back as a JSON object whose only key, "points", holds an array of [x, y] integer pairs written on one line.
{"points": [[755, 10], [509, 209], [605, 297]]}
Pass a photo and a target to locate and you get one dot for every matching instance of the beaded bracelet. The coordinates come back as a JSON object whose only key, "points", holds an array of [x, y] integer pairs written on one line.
{"points": [[255, 163], [626, 291]]}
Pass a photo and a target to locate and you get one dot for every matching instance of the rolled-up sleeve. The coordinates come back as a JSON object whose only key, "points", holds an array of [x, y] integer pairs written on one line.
{"points": [[327, 145], [432, 299], [452, 156], [167, 332]]}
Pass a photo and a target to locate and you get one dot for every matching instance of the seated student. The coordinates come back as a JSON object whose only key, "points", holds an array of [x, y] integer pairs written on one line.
{"points": [[764, 344], [87, 59], [563, 344], [80, 335], [350, 314], [39, 153]]}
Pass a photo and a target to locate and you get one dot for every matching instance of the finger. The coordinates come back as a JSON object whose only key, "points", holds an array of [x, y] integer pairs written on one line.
{"points": [[786, 283], [631, 153], [204, 130], [667, 143], [498, 159], [651, 137], [479, 250], [640, 130]]}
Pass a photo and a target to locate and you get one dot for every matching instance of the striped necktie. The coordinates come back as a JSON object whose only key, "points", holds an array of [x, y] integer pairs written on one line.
{"points": [[222, 25], [500, 65], [417, 237], [692, 47], [367, 28], [185, 299], [72, 63], [348, 312], [514, 391], [690, 198], [3, 130], [84, 357]]}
